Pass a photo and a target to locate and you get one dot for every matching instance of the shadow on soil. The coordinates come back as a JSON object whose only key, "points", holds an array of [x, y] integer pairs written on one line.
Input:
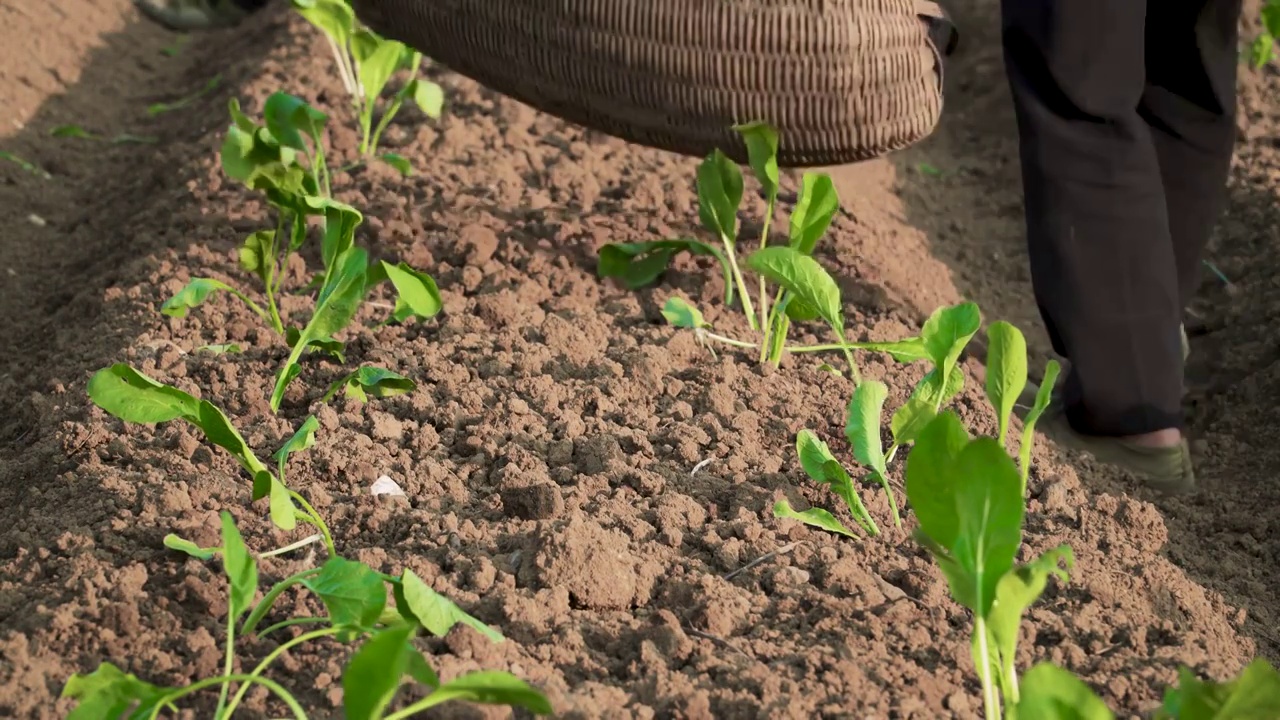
{"points": [[962, 188], [71, 236]]}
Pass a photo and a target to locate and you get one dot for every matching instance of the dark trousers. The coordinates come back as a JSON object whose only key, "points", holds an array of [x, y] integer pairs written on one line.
{"points": [[1126, 123]]}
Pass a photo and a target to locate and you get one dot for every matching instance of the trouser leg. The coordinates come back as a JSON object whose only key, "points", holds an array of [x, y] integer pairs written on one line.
{"points": [[1102, 261], [1190, 106]]}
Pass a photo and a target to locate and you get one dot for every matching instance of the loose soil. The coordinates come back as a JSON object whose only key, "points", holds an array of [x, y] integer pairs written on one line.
{"points": [[549, 453]]}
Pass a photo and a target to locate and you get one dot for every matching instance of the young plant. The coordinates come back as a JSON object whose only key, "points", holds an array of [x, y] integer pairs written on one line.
{"points": [[366, 63], [131, 396], [1263, 48], [355, 598], [805, 291], [940, 343]]}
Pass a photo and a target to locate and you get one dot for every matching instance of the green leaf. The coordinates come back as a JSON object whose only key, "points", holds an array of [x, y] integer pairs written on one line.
{"points": [[438, 614], [719, 195], [109, 693], [862, 426], [173, 542], [284, 514], [761, 140], [421, 671], [374, 674], [195, 293], [71, 131], [418, 296], [681, 314], [335, 307], [258, 255], [1051, 693], [377, 67], [822, 467], [801, 276], [25, 165], [340, 223], [352, 592], [911, 418], [640, 264], [947, 332], [1043, 396], [815, 517], [288, 117], [968, 500], [375, 381], [1017, 591], [1254, 695], [210, 85], [242, 571], [302, 439], [815, 209], [222, 348], [328, 346], [133, 397], [1006, 370], [489, 687], [399, 162], [428, 96], [930, 481], [335, 18]]}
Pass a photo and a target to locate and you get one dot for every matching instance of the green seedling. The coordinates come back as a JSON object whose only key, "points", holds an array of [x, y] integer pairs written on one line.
{"points": [[941, 341], [76, 131], [355, 598], [174, 48], [804, 289], [1263, 48], [25, 165], [161, 108], [370, 381], [222, 349], [131, 396], [366, 63], [967, 495]]}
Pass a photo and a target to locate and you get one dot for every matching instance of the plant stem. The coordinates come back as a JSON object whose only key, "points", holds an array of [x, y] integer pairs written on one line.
{"points": [[271, 685], [315, 516], [264, 605], [742, 285], [765, 325], [291, 622], [227, 663], [385, 120], [774, 319], [708, 335], [848, 355], [252, 305], [990, 701], [348, 80], [291, 547], [271, 657]]}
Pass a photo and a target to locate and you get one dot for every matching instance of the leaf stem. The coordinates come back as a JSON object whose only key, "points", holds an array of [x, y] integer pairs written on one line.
{"points": [[990, 701], [315, 517], [848, 355], [228, 662], [271, 657], [708, 335], [396, 103], [264, 605], [291, 547], [291, 622], [271, 685], [747, 307], [344, 71], [252, 305], [765, 325]]}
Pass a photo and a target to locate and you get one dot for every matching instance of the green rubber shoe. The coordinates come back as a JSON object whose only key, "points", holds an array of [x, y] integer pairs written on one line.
{"points": [[195, 15]]}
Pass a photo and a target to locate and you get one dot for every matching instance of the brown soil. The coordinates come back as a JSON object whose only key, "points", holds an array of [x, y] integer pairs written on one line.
{"points": [[547, 453]]}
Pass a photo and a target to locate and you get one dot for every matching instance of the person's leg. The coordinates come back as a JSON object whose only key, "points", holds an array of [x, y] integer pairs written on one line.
{"points": [[1190, 105], [194, 15], [1102, 259]]}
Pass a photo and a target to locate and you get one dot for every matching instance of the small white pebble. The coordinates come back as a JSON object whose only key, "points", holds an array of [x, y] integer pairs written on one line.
{"points": [[385, 486]]}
